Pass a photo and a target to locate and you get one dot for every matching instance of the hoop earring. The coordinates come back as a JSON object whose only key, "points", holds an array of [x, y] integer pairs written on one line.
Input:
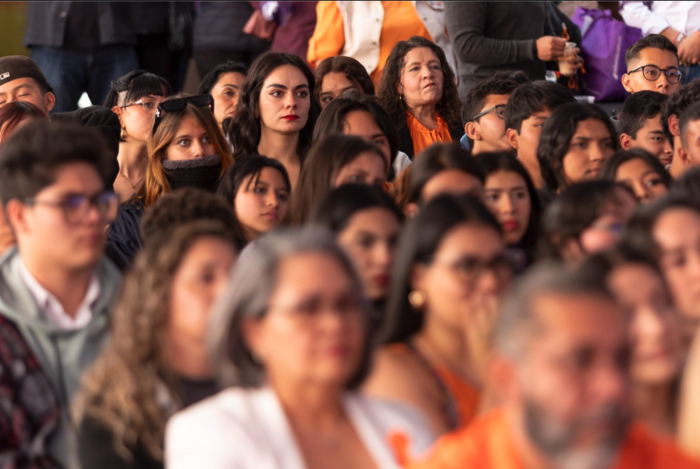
{"points": [[416, 299], [121, 133]]}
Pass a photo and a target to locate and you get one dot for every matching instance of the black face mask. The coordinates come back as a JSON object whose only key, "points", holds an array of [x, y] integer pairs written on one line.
{"points": [[202, 173]]}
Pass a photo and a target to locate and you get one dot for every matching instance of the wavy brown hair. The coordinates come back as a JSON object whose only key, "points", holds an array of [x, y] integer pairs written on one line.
{"points": [[156, 182], [120, 390], [449, 106]]}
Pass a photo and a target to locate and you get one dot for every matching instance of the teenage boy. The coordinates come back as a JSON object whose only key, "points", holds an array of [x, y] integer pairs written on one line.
{"points": [[652, 64], [640, 125], [57, 287], [484, 112], [689, 126], [528, 108], [673, 108]]}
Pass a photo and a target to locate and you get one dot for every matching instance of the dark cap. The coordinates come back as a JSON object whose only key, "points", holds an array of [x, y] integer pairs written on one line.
{"points": [[13, 67]]}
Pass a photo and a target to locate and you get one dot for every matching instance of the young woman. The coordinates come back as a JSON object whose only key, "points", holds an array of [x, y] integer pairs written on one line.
{"points": [[134, 98], [419, 91], [156, 362], [442, 169], [186, 149], [577, 139], [224, 83], [511, 197], [334, 161], [657, 354], [353, 114], [450, 271], [276, 113], [339, 75], [638, 170], [258, 189], [367, 224], [292, 353], [586, 218]]}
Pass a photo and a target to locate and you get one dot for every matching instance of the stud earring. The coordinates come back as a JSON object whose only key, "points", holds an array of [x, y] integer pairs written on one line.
{"points": [[417, 299]]}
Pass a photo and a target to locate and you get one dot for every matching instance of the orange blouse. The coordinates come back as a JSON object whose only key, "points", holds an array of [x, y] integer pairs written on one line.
{"points": [[422, 137], [400, 23]]}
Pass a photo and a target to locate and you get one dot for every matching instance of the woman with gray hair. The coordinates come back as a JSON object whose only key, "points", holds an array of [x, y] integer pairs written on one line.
{"points": [[290, 341]]}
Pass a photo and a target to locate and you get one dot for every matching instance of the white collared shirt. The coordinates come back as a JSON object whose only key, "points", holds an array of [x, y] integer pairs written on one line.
{"points": [[54, 309], [681, 16]]}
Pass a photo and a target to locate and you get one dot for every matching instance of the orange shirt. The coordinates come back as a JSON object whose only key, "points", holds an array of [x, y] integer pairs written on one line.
{"points": [[422, 137], [400, 23], [486, 444]]}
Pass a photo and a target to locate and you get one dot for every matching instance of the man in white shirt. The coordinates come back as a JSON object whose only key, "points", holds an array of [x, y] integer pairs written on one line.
{"points": [[677, 21], [56, 286]]}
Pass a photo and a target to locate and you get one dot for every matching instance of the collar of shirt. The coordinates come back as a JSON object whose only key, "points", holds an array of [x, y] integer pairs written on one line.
{"points": [[53, 309]]}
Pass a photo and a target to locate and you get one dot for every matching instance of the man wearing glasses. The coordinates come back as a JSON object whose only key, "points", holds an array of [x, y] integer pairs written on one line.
{"points": [[56, 286], [652, 65]]}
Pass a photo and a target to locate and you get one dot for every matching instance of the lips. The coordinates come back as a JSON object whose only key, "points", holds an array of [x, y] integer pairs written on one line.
{"points": [[290, 117], [510, 225], [271, 215], [381, 280]]}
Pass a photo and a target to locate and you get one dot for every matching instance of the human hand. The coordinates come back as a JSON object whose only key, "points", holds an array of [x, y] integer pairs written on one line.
{"points": [[550, 48], [478, 329], [689, 50]]}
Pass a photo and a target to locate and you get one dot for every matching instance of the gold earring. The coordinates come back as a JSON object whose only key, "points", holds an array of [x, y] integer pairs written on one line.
{"points": [[121, 133], [417, 299]]}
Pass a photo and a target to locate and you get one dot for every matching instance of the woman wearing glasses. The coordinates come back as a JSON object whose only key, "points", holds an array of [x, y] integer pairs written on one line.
{"points": [[186, 149], [293, 353], [450, 271], [134, 99], [276, 113]]}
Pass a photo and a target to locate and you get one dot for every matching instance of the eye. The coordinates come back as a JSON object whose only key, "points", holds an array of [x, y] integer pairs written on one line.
{"points": [[303, 94], [521, 195], [206, 139], [608, 144], [436, 67], [579, 145], [184, 142], [654, 182], [149, 105], [365, 241], [355, 178], [657, 139], [260, 190], [282, 196], [413, 69], [276, 93], [491, 197], [327, 99], [228, 94], [380, 142]]}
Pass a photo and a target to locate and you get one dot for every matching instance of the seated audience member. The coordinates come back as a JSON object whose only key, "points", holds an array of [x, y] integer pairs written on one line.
{"points": [[257, 188], [671, 113], [276, 113], [586, 218], [367, 224], [656, 357], [57, 287], [291, 355], [13, 116], [527, 110], [156, 362], [640, 172], [484, 112], [511, 197], [575, 143], [670, 231], [450, 271], [224, 83], [442, 169], [338, 75], [332, 162], [419, 91], [184, 206], [652, 64], [353, 114], [689, 128], [560, 364], [640, 125], [134, 98], [186, 149]]}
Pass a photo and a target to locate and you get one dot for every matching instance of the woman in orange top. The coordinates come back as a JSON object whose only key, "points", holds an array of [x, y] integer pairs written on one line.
{"points": [[450, 270], [419, 90]]}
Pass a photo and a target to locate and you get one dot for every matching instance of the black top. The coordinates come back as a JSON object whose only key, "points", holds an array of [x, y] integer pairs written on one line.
{"points": [[82, 28], [96, 450]]}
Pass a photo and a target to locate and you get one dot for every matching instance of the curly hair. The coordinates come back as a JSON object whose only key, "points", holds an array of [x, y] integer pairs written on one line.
{"points": [[449, 106], [243, 129], [120, 390]]}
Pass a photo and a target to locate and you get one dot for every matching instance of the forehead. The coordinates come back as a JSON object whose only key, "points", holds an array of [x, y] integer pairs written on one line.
{"points": [[190, 123], [311, 273], [420, 54], [677, 227], [653, 123], [336, 80], [287, 75], [593, 128], [492, 100], [77, 177], [230, 78], [654, 56], [503, 179], [356, 120], [475, 239]]}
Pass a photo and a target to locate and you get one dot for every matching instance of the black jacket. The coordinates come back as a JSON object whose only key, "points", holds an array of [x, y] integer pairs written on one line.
{"points": [[406, 143], [219, 25], [124, 235]]}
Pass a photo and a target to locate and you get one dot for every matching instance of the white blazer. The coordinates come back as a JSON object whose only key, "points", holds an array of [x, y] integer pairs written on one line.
{"points": [[247, 429]]}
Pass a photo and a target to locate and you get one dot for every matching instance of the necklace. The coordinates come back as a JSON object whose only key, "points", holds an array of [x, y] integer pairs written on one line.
{"points": [[129, 182]]}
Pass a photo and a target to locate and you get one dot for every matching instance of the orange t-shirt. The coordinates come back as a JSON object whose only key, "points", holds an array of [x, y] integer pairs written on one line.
{"points": [[486, 444], [422, 137], [400, 23]]}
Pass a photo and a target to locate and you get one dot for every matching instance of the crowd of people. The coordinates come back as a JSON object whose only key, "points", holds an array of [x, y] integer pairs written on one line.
{"points": [[421, 257]]}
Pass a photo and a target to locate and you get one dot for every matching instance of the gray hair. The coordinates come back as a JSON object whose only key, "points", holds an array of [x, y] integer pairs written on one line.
{"points": [[516, 322], [252, 283]]}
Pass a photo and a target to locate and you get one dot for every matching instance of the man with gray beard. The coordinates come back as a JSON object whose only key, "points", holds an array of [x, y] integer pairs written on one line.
{"points": [[561, 372]]}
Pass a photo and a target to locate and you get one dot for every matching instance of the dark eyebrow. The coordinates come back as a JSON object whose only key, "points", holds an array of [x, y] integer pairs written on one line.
{"points": [[277, 85], [230, 85], [380, 135], [660, 132]]}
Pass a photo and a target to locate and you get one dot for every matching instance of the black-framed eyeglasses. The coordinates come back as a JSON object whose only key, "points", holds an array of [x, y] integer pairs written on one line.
{"points": [[500, 112], [652, 73], [179, 104], [76, 207]]}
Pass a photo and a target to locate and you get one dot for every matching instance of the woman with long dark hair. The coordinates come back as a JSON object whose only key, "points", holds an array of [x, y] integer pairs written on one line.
{"points": [[276, 113], [639, 171], [224, 83], [338, 75]]}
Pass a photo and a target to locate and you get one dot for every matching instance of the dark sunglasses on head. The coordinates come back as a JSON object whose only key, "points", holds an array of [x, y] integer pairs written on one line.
{"points": [[179, 104]]}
